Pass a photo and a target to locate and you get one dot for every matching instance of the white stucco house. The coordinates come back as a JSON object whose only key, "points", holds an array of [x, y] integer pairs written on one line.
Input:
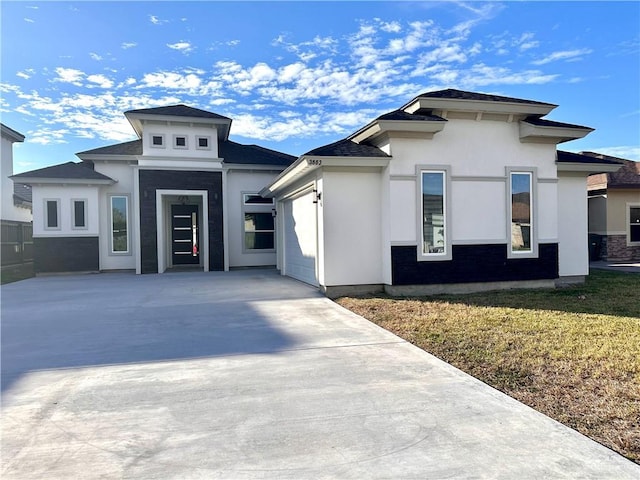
{"points": [[181, 195], [453, 190]]}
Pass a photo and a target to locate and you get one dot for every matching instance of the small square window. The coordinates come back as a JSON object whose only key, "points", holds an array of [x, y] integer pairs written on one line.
{"points": [[203, 142], [180, 141], [157, 140]]}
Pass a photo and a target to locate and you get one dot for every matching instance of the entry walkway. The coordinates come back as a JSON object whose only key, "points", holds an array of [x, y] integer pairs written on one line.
{"points": [[249, 375]]}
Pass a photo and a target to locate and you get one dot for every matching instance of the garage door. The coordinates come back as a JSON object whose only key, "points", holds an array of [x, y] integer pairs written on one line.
{"points": [[300, 238]]}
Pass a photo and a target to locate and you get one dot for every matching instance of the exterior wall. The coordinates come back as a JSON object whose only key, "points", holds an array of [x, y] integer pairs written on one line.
{"points": [[351, 202], [152, 180], [190, 131], [65, 195], [572, 225], [618, 249], [65, 254], [617, 201], [9, 210], [124, 176], [239, 182], [598, 215]]}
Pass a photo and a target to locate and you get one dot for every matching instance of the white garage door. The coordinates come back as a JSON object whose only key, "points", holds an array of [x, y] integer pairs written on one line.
{"points": [[300, 238]]}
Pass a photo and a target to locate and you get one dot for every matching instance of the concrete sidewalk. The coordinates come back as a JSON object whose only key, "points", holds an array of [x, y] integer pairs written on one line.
{"points": [[249, 375]]}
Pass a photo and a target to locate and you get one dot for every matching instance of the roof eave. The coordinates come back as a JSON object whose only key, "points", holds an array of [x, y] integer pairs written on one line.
{"points": [[62, 181], [530, 133], [381, 127], [485, 106], [138, 119], [11, 133], [586, 167], [106, 157]]}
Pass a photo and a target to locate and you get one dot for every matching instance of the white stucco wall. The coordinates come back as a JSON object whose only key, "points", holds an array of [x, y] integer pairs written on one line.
{"points": [[572, 225], [351, 204], [124, 176], [65, 196], [191, 132], [239, 182], [9, 210]]}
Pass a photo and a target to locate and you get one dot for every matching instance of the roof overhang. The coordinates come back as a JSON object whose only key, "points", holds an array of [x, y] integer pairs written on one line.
{"points": [[462, 105], [307, 164], [530, 133], [412, 128], [62, 181], [137, 120], [108, 158], [11, 134], [586, 167]]}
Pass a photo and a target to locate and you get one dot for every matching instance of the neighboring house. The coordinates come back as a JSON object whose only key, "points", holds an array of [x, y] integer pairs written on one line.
{"points": [[452, 188], [181, 195], [15, 204], [614, 211]]}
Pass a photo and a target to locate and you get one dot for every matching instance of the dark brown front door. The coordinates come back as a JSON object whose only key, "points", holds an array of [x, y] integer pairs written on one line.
{"points": [[185, 235]]}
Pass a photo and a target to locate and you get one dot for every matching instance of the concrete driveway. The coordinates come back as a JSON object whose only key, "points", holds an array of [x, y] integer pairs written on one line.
{"points": [[249, 375]]}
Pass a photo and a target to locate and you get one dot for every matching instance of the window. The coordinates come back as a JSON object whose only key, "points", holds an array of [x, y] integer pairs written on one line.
{"points": [[258, 223], [521, 213], [434, 237], [79, 211], [255, 199], [202, 143], [52, 214], [179, 141], [634, 224], [157, 141], [119, 224], [258, 231]]}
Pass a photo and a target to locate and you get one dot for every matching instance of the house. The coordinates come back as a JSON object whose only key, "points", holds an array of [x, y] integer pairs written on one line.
{"points": [[454, 191], [614, 211], [182, 195], [15, 203]]}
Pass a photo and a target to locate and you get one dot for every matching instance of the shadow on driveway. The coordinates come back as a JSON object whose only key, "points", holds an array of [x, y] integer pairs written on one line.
{"points": [[89, 320]]}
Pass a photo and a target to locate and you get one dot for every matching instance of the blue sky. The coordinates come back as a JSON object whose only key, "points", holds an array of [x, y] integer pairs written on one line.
{"points": [[297, 75]]}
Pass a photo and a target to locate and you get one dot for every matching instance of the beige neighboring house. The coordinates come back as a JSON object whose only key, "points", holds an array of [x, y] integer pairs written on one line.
{"points": [[614, 211], [16, 211]]}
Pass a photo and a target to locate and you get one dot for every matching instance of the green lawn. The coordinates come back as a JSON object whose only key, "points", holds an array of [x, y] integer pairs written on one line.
{"points": [[571, 353]]}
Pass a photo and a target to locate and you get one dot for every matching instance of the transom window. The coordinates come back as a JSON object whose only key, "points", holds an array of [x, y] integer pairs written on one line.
{"points": [[434, 239], [255, 199]]}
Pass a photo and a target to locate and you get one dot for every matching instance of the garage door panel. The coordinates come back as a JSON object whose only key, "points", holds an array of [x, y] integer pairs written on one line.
{"points": [[300, 242]]}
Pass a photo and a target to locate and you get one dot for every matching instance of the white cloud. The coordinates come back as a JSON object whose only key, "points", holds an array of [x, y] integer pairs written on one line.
{"points": [[563, 55], [182, 46], [26, 74], [46, 136], [156, 21], [101, 81], [171, 80], [95, 56], [29, 20], [127, 45], [69, 75]]}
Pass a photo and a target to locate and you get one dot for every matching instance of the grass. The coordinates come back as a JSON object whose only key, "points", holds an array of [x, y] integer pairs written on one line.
{"points": [[572, 353]]}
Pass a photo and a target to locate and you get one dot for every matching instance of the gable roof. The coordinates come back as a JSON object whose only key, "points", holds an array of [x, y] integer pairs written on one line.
{"points": [[22, 193], [577, 162], [232, 152], [179, 110], [346, 148], [451, 93], [69, 172], [628, 176]]}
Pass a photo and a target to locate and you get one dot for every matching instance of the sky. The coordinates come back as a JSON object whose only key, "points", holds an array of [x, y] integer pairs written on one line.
{"points": [[297, 75]]}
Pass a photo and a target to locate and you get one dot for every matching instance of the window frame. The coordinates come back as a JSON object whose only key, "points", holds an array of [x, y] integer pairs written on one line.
{"points": [[73, 214], [533, 212], [248, 208], [162, 136], [175, 141], [58, 225], [628, 224], [203, 137], [445, 170], [128, 224]]}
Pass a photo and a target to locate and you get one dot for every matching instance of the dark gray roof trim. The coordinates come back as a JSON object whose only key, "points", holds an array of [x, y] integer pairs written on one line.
{"points": [[232, 152], [17, 136], [550, 123], [569, 157], [402, 115], [462, 95], [178, 111], [64, 171], [133, 147], [346, 148]]}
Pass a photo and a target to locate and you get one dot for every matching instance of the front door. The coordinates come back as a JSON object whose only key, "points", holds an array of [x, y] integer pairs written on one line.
{"points": [[185, 236]]}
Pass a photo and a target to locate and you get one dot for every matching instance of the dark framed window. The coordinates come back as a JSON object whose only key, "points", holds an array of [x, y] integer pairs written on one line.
{"points": [[52, 214], [255, 199], [79, 213], [202, 143], [259, 231], [634, 224], [157, 140], [180, 141]]}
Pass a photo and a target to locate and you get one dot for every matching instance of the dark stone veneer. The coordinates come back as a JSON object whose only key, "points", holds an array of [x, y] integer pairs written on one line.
{"points": [[152, 180], [473, 263], [66, 254]]}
